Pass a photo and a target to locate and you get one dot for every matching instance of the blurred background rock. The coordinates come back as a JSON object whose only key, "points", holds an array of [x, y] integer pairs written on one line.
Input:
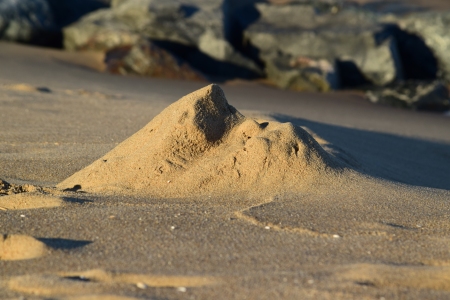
{"points": [[395, 51]]}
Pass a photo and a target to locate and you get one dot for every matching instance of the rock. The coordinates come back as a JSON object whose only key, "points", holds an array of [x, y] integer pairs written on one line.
{"points": [[147, 59], [40, 21], [28, 21], [299, 29], [4, 187], [432, 28], [101, 30], [194, 24], [418, 95], [302, 74]]}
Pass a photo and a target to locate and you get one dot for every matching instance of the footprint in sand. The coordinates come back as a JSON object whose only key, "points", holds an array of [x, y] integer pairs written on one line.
{"points": [[416, 277], [342, 215], [95, 284]]}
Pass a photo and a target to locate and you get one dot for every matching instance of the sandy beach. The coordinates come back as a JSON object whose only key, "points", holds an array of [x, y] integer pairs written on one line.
{"points": [[113, 188]]}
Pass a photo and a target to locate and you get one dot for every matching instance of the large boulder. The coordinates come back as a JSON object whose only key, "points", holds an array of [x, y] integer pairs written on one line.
{"points": [[28, 21], [40, 21], [148, 59], [198, 25], [433, 29], [303, 74], [303, 29]]}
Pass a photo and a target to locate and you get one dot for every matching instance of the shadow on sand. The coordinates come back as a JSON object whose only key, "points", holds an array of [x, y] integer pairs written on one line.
{"points": [[402, 159]]}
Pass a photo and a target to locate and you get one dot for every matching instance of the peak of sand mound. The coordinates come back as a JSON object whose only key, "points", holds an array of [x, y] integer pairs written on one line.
{"points": [[201, 145]]}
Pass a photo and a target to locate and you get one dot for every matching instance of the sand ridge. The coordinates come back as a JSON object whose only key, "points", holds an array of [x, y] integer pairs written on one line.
{"points": [[94, 284], [202, 145], [27, 196]]}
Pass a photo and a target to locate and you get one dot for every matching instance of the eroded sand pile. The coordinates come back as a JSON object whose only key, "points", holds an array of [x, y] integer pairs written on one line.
{"points": [[201, 145]]}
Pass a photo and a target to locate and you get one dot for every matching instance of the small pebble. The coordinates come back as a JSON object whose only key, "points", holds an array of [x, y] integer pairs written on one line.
{"points": [[141, 285], [181, 289], [22, 216], [336, 236], [267, 227], [172, 227], [168, 181]]}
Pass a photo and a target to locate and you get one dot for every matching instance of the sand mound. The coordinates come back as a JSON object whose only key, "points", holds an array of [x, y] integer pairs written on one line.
{"points": [[29, 201], [23, 87], [200, 145], [19, 247]]}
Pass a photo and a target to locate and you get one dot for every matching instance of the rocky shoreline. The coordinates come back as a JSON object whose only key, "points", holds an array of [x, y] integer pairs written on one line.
{"points": [[304, 45]]}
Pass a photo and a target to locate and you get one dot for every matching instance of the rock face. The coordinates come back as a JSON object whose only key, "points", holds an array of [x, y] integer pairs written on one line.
{"points": [[198, 25], [40, 21], [147, 59], [418, 95], [29, 21], [298, 29], [432, 28], [302, 74], [200, 145]]}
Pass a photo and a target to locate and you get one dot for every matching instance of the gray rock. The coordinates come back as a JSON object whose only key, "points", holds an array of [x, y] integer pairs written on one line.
{"points": [[299, 30], [196, 24], [40, 21], [29, 21], [148, 59], [302, 74], [433, 28], [418, 95]]}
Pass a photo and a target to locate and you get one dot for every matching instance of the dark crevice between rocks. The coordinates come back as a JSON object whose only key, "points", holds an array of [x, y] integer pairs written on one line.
{"points": [[419, 87], [239, 15], [350, 75], [215, 70], [50, 39], [417, 60], [66, 12]]}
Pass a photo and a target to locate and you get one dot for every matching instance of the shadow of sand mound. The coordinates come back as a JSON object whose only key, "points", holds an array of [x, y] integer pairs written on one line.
{"points": [[405, 159], [201, 145]]}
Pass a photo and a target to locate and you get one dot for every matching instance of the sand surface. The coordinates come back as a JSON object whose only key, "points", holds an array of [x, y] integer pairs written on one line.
{"points": [[356, 204]]}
